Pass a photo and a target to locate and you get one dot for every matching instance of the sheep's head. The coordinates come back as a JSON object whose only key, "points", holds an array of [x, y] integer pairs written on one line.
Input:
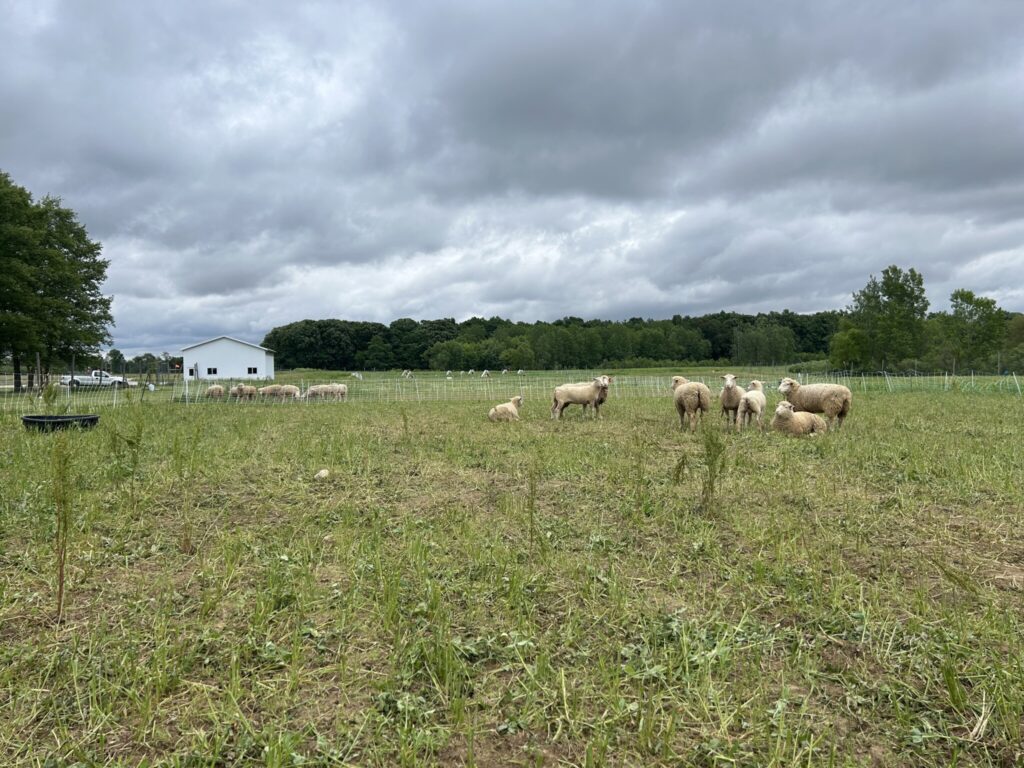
{"points": [[784, 409], [787, 385], [730, 381], [678, 380], [517, 401], [603, 380], [756, 385]]}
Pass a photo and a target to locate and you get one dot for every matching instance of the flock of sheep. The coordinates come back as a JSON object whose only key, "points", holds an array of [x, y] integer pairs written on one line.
{"points": [[279, 392], [797, 414]]}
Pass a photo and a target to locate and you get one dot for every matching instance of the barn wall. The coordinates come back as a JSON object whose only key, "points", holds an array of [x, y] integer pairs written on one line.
{"points": [[231, 359]]}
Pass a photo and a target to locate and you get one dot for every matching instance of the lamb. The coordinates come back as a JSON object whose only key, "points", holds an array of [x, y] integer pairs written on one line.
{"points": [[832, 400], [243, 392], [215, 391], [588, 393], [797, 422], [692, 399], [327, 392], [752, 405], [730, 397], [506, 411]]}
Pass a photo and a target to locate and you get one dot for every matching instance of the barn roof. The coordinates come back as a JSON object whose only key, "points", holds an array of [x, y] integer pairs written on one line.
{"points": [[229, 338]]}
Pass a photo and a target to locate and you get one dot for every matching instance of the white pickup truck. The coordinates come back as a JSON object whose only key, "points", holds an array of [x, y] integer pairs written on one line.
{"points": [[97, 379]]}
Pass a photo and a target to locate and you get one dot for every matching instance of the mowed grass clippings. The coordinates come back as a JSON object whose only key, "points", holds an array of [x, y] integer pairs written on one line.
{"points": [[545, 592]]}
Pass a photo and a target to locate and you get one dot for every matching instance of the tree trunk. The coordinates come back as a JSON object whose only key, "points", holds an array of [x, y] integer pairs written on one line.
{"points": [[16, 360]]}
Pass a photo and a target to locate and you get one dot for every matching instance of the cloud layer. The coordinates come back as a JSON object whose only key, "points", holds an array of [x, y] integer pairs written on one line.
{"points": [[250, 164]]}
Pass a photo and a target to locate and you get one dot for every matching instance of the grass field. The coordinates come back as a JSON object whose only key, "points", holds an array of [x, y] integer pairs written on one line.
{"points": [[611, 592]]}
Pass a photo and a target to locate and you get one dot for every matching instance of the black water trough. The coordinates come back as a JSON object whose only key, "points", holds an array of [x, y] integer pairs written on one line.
{"points": [[51, 423]]}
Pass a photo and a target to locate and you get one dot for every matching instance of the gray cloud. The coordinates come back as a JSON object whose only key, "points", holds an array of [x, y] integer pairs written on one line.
{"points": [[250, 165]]}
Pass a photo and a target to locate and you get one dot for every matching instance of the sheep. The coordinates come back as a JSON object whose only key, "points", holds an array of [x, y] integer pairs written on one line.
{"points": [[290, 390], [243, 392], [692, 399], [587, 393], [504, 371], [506, 411], [327, 392], [471, 371], [215, 391], [485, 375], [832, 400], [730, 397], [797, 422], [271, 390], [447, 374], [356, 375], [752, 406], [520, 372], [406, 374]]}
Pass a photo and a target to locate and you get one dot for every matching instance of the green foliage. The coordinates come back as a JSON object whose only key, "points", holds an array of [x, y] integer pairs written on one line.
{"points": [[763, 343], [50, 278]]}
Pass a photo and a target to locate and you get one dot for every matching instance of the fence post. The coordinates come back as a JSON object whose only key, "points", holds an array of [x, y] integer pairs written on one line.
{"points": [[1017, 383]]}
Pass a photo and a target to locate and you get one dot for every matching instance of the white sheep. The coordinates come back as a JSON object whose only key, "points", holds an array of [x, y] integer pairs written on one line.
{"points": [[587, 393], [243, 392], [752, 406], [692, 400], [832, 400], [271, 390], [356, 375], [471, 371], [730, 397], [215, 391], [289, 390], [327, 392], [520, 372], [504, 371], [447, 374], [797, 422], [506, 411], [485, 375]]}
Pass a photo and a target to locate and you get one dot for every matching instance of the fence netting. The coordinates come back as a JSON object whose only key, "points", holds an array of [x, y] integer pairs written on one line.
{"points": [[430, 386]]}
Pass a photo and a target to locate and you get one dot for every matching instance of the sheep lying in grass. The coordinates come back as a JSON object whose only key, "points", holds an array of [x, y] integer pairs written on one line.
{"points": [[215, 391], [832, 400], [587, 393], [752, 405], [506, 411], [792, 422], [327, 392], [730, 397], [692, 399], [243, 392]]}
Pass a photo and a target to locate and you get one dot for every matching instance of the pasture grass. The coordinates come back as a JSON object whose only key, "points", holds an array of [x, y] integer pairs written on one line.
{"points": [[461, 593]]}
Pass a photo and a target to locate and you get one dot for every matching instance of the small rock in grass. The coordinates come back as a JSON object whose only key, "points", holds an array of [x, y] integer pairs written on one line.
{"points": [[323, 474]]}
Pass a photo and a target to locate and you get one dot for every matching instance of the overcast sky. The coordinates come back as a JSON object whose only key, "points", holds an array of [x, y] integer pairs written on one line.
{"points": [[249, 164]]}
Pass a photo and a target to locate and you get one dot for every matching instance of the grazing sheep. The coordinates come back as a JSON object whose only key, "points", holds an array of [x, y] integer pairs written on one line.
{"points": [[243, 392], [752, 406], [506, 411], [472, 371], [406, 374], [485, 375], [587, 393], [730, 397], [356, 375], [327, 392], [215, 391], [832, 400], [504, 371], [797, 422], [520, 372], [447, 374], [289, 390], [692, 399], [271, 390]]}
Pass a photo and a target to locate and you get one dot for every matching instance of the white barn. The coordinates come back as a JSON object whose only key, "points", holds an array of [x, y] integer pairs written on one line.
{"points": [[227, 358]]}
